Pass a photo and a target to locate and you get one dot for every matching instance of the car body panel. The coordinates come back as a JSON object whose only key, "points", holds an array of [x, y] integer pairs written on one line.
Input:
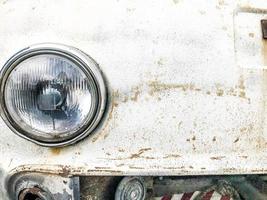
{"points": [[181, 99]]}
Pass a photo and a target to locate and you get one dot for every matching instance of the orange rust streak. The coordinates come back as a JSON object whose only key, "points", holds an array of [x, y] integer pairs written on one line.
{"points": [[56, 151]]}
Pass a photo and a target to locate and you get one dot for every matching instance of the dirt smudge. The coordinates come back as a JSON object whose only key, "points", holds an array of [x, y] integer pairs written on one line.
{"points": [[217, 157], [221, 2], [160, 62], [172, 156], [236, 140], [251, 35]]}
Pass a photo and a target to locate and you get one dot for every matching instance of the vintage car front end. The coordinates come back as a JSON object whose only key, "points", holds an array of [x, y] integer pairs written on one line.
{"points": [[94, 91]]}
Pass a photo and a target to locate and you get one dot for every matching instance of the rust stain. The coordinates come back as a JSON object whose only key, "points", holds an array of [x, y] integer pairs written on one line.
{"points": [[135, 155], [239, 90], [243, 157], [229, 170], [113, 172], [259, 171], [148, 157], [246, 129], [134, 167], [217, 157], [156, 86], [55, 151], [65, 170], [241, 86], [221, 2], [182, 167], [261, 143], [135, 93], [104, 133], [231, 92], [119, 165], [139, 153], [125, 99], [36, 191], [219, 91], [130, 157], [172, 156], [247, 8], [102, 168]]}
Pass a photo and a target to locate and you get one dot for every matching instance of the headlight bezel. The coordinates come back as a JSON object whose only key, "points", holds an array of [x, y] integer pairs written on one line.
{"points": [[85, 63]]}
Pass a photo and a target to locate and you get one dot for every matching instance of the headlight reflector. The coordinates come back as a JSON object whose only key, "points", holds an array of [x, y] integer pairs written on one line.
{"points": [[52, 95]]}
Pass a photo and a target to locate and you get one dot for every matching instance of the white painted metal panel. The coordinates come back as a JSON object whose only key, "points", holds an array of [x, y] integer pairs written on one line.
{"points": [[187, 85]]}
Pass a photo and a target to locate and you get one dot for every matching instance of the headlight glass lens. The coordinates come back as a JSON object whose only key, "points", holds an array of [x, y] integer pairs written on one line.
{"points": [[50, 97]]}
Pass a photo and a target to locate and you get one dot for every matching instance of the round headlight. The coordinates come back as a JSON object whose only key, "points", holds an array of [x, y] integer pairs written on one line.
{"points": [[52, 94]]}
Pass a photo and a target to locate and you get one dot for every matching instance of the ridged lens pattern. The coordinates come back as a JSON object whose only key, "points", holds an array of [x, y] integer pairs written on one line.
{"points": [[49, 96]]}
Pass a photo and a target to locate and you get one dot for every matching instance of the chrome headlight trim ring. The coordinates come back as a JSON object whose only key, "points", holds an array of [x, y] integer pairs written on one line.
{"points": [[85, 63]]}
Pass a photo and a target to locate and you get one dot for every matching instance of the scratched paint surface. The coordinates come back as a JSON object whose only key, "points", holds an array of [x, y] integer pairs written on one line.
{"points": [[181, 100]]}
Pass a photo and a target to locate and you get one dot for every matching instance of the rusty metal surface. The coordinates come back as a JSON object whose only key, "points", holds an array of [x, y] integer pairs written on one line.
{"points": [[24, 186], [187, 84], [31, 192]]}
